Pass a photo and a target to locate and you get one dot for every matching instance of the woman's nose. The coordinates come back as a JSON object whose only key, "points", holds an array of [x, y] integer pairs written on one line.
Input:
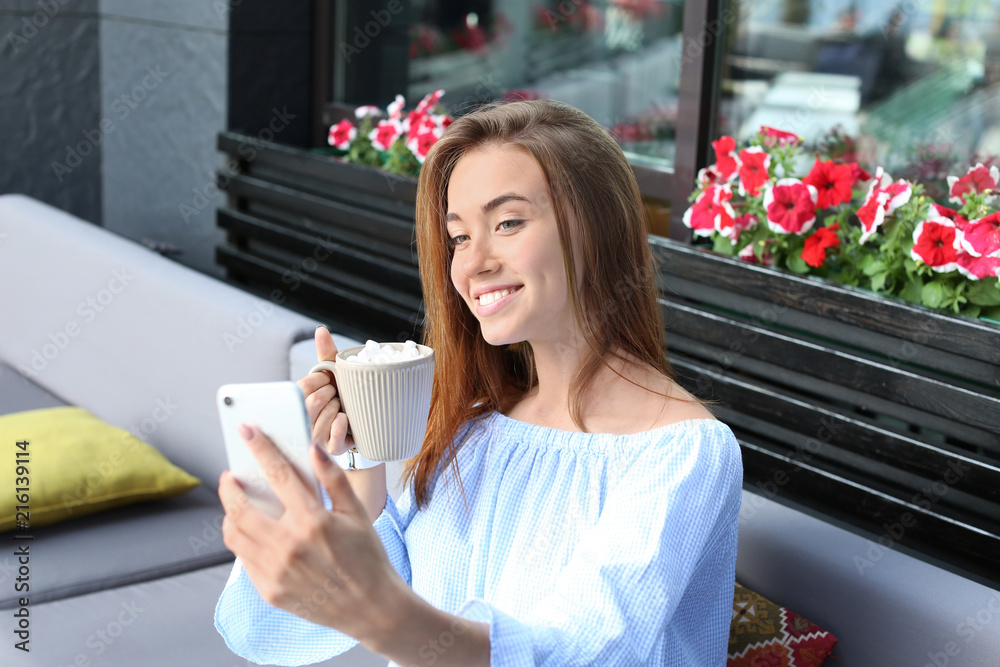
{"points": [[480, 257]]}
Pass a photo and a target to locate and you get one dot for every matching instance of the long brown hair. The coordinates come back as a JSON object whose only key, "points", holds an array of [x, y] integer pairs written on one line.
{"points": [[615, 303]]}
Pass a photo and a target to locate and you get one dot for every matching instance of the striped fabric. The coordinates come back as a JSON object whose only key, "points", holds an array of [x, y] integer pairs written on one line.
{"points": [[576, 548]]}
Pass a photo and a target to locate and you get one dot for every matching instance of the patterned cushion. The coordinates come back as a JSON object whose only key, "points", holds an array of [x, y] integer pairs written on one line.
{"points": [[764, 634]]}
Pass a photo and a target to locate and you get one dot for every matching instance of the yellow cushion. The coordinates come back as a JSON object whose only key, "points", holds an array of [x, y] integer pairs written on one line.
{"points": [[74, 464]]}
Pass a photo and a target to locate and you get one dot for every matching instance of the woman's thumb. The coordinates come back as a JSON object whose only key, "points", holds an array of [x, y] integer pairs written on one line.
{"points": [[326, 349]]}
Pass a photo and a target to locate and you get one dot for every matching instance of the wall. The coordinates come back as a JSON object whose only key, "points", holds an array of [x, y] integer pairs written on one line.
{"points": [[140, 87]]}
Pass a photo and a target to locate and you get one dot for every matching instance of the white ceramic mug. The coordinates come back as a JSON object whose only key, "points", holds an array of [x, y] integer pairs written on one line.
{"points": [[387, 404]]}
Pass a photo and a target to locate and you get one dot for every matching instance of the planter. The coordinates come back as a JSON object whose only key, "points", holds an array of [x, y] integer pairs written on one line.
{"points": [[869, 409]]}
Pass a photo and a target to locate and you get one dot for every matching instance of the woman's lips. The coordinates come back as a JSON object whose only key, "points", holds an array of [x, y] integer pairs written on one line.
{"points": [[495, 300]]}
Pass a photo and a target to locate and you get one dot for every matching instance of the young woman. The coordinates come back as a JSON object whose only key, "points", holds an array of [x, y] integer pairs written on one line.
{"points": [[572, 504]]}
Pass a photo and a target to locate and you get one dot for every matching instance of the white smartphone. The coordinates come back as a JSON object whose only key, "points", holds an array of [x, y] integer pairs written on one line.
{"points": [[279, 409]]}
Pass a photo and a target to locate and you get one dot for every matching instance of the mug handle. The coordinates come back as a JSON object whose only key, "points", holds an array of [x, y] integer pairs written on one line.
{"points": [[325, 366]]}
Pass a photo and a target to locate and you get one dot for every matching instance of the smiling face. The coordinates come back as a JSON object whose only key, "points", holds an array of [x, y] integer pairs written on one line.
{"points": [[507, 262]]}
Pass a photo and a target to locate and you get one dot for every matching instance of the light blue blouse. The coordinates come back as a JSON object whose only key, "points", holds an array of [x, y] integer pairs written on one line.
{"points": [[577, 549]]}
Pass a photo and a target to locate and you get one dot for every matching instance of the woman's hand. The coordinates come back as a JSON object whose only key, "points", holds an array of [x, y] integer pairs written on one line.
{"points": [[328, 567], [329, 422]]}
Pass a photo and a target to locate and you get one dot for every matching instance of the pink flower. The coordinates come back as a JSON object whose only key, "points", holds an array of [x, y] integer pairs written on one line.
{"points": [[790, 206], [736, 227], [978, 268], [883, 198], [711, 211], [981, 237], [430, 101], [754, 162], [750, 257], [727, 165], [977, 180], [814, 249], [421, 143], [961, 222], [934, 244], [342, 134], [833, 182], [773, 136], [385, 134], [395, 108], [367, 110]]}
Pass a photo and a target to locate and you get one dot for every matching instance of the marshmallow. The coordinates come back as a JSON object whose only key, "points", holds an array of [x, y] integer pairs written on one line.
{"points": [[373, 353]]}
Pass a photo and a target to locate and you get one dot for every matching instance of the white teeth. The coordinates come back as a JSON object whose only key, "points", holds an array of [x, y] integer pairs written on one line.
{"points": [[490, 297]]}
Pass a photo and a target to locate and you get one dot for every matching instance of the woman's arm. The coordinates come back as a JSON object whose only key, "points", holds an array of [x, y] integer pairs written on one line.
{"points": [[329, 567]]}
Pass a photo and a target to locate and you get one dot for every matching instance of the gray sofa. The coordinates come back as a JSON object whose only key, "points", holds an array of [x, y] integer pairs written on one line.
{"points": [[138, 586]]}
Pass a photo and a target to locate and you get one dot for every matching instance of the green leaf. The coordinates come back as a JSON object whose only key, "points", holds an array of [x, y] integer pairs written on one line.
{"points": [[796, 264], [984, 293], [911, 291], [933, 294], [722, 245], [878, 281]]}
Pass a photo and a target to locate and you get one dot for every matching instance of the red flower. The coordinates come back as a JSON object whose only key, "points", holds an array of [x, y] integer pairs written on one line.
{"points": [[934, 244], [774, 136], [754, 162], [420, 144], [430, 101], [961, 222], [726, 163], [385, 134], [750, 257], [710, 176], [832, 181], [981, 238], [711, 211], [342, 134], [883, 198], [814, 252], [733, 230], [978, 268], [977, 180], [790, 206], [858, 174]]}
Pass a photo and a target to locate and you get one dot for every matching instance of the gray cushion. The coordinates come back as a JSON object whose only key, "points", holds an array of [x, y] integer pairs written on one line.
{"points": [[162, 623], [900, 610], [122, 546], [18, 393], [139, 340]]}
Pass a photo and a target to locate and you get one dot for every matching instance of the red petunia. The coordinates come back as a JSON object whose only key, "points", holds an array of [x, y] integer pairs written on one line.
{"points": [[774, 136], [421, 144], [430, 101], [977, 180], [978, 268], [814, 252], [750, 257], [739, 225], [342, 134], [981, 237], [727, 165], [858, 173], [961, 222], [385, 134], [790, 206], [754, 163], [833, 182], [883, 198], [934, 244], [711, 211]]}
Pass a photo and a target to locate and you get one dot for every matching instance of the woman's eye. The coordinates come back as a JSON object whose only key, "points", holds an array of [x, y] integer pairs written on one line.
{"points": [[507, 225], [457, 239]]}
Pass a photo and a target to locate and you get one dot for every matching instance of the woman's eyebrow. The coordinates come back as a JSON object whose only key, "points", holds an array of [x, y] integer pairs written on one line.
{"points": [[492, 204]]}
